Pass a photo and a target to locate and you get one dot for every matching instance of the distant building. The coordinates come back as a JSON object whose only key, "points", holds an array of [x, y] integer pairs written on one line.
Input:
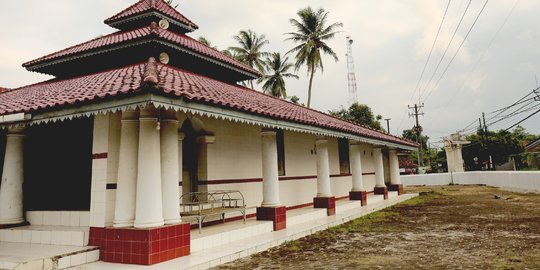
{"points": [[135, 119]]}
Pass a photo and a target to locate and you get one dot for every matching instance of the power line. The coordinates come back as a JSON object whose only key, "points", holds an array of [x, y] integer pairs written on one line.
{"points": [[523, 120], [457, 51], [430, 51], [446, 50], [483, 53]]}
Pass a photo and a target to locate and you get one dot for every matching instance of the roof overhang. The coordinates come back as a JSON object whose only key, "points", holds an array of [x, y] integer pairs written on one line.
{"points": [[180, 105]]}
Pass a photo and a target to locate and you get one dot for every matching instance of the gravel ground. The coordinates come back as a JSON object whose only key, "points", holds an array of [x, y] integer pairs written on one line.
{"points": [[450, 227]]}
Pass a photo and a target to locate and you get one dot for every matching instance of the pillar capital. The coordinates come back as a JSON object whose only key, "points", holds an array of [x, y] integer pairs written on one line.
{"points": [[181, 136], [16, 131], [206, 139], [321, 140], [268, 132], [130, 116]]}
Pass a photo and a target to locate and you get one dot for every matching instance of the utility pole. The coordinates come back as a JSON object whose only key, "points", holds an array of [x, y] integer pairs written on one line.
{"points": [[387, 125], [418, 129], [484, 118]]}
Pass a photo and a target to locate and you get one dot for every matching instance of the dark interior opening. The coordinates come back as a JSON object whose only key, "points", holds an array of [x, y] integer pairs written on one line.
{"points": [[58, 166]]}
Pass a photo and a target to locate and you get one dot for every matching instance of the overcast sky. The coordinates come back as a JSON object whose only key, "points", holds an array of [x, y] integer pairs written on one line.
{"points": [[392, 40]]}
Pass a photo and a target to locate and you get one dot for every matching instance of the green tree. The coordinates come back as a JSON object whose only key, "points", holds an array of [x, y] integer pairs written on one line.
{"points": [[274, 80], [206, 42], [497, 144], [360, 114], [311, 35], [410, 135], [249, 50]]}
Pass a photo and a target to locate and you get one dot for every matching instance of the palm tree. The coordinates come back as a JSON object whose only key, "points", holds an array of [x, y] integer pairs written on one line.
{"points": [[206, 42], [249, 50], [274, 80], [311, 33]]}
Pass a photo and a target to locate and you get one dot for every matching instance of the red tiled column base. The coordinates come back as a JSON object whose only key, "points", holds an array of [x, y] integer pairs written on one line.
{"points": [[398, 188], [358, 196], [326, 202], [381, 191], [276, 214], [141, 246]]}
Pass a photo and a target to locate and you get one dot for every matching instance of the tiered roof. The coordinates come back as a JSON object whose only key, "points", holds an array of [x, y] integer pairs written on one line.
{"points": [[150, 9], [123, 65], [148, 28]]}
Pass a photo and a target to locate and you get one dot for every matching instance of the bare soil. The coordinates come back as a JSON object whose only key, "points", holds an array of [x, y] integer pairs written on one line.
{"points": [[450, 227]]}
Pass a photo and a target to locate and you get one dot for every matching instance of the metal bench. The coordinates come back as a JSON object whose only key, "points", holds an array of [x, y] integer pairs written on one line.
{"points": [[212, 203]]}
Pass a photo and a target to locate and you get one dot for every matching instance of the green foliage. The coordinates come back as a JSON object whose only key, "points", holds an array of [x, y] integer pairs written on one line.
{"points": [[206, 42], [360, 114], [249, 49], [312, 32], [171, 3], [499, 145], [277, 70]]}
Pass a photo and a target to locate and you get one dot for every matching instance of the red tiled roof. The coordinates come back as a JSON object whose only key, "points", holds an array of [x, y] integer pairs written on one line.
{"points": [[148, 5], [2, 89], [178, 83], [121, 37]]}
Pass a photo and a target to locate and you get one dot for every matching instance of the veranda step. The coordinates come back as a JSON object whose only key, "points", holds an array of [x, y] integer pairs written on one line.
{"points": [[47, 235], [303, 215], [223, 234], [25, 256]]}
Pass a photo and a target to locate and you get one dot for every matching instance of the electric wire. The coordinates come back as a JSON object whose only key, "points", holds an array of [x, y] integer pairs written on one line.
{"points": [[457, 51], [446, 50]]}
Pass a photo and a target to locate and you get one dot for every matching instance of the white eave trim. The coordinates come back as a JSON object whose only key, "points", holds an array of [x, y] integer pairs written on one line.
{"points": [[195, 109]]}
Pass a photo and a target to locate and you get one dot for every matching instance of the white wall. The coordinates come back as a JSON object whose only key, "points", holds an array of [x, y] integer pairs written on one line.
{"points": [[524, 181]]}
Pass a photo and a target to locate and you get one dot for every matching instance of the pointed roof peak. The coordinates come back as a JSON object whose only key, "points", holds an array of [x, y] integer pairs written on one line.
{"points": [[151, 74], [150, 8]]}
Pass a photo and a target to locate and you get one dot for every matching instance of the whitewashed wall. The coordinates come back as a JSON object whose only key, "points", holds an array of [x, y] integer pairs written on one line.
{"points": [[524, 181]]}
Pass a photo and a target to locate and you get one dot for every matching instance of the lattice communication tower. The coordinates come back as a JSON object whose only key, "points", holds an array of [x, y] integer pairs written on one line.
{"points": [[351, 76]]}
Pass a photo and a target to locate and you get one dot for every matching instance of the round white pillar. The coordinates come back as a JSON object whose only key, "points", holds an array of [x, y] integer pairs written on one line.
{"points": [[395, 178], [323, 169], [181, 137], [270, 169], [356, 167], [149, 205], [379, 167], [11, 188], [169, 168], [124, 213]]}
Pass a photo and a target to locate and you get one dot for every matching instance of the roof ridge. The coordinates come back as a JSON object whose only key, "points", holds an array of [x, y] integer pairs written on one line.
{"points": [[151, 74]]}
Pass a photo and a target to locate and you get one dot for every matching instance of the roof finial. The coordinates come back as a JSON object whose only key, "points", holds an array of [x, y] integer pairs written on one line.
{"points": [[151, 74]]}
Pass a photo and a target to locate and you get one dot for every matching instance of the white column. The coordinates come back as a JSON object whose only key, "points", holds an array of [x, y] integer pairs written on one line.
{"points": [[458, 162], [169, 167], [124, 211], [181, 137], [356, 167], [11, 188], [149, 205], [323, 169], [270, 169], [379, 167], [395, 179]]}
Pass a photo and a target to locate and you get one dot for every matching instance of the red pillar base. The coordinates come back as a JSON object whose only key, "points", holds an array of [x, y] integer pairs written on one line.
{"points": [[326, 202], [398, 188], [276, 214], [358, 196], [381, 191], [141, 246]]}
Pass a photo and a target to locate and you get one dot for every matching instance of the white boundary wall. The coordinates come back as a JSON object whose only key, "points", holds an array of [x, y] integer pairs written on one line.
{"points": [[522, 181]]}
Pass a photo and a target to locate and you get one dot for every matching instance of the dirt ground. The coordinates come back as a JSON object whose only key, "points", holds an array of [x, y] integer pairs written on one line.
{"points": [[451, 227]]}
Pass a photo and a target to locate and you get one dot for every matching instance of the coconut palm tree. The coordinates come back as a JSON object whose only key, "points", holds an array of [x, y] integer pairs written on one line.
{"points": [[249, 50], [276, 73], [311, 33]]}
